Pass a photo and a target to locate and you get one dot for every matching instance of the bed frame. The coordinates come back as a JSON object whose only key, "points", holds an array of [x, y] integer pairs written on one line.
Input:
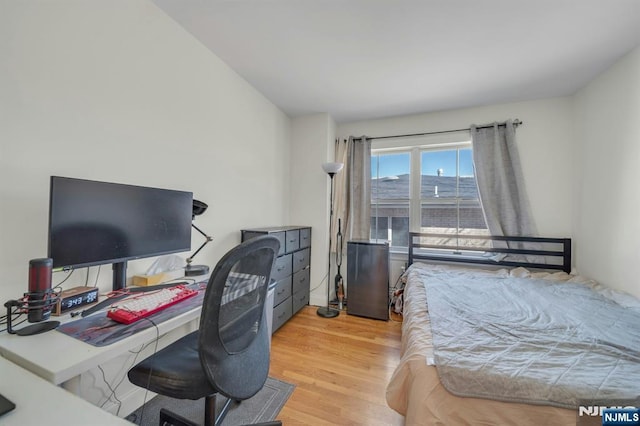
{"points": [[554, 248]]}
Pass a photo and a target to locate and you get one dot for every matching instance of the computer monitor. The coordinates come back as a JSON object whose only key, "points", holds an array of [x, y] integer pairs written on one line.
{"points": [[95, 223]]}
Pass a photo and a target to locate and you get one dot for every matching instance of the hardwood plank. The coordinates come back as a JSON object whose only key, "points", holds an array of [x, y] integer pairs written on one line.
{"points": [[340, 366]]}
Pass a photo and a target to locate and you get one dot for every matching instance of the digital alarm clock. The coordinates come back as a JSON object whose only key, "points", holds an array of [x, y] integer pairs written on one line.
{"points": [[74, 298]]}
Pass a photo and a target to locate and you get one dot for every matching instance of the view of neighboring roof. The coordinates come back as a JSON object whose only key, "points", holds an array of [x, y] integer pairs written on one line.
{"points": [[397, 187]]}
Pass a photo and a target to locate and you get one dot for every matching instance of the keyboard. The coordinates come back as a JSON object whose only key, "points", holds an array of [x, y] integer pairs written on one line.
{"points": [[135, 308]]}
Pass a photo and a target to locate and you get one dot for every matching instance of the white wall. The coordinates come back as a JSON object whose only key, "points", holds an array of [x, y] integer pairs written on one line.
{"points": [[312, 145], [607, 206], [116, 91]]}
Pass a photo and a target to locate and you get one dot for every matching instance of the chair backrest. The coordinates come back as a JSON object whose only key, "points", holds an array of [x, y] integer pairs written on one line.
{"points": [[234, 341]]}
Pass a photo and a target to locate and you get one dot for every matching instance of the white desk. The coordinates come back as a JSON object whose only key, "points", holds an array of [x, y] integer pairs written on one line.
{"points": [[61, 359], [39, 402]]}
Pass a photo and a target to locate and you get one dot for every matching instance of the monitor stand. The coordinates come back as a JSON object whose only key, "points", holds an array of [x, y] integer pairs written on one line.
{"points": [[119, 276]]}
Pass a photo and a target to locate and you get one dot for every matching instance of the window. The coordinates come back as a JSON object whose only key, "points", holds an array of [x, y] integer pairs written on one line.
{"points": [[390, 196], [424, 189]]}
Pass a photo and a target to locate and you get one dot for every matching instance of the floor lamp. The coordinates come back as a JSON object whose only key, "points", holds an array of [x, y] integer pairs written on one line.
{"points": [[327, 312]]}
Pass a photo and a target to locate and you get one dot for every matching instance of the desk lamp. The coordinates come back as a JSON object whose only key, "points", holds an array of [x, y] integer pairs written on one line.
{"points": [[331, 169], [194, 270]]}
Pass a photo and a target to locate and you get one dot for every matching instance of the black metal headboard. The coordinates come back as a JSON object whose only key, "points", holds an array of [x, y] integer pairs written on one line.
{"points": [[528, 252]]}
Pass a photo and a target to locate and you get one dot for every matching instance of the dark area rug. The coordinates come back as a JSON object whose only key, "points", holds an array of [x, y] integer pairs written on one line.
{"points": [[263, 407]]}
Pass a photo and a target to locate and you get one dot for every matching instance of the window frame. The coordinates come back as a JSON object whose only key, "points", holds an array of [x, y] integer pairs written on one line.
{"points": [[415, 147]]}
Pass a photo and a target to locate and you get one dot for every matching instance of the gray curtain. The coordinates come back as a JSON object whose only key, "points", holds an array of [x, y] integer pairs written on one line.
{"points": [[500, 180], [339, 211], [357, 191]]}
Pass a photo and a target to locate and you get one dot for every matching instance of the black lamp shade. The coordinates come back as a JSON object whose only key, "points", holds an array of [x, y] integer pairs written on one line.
{"points": [[199, 207]]}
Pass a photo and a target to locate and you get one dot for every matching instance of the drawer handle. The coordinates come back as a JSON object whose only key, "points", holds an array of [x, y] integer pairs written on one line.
{"points": [[280, 268], [281, 291], [281, 315], [302, 298]]}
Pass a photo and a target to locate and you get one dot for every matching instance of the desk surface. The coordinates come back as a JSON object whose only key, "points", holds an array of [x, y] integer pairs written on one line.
{"points": [[40, 402], [58, 358]]}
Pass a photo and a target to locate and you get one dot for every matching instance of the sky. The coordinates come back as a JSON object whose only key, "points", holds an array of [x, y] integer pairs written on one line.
{"points": [[398, 164]]}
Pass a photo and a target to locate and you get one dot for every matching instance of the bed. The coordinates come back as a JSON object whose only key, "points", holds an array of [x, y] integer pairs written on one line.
{"points": [[417, 390]]}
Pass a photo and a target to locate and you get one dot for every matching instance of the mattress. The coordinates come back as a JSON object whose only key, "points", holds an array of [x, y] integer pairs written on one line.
{"points": [[416, 392]]}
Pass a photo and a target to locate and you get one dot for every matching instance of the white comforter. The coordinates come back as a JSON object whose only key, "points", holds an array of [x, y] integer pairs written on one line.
{"points": [[554, 340]]}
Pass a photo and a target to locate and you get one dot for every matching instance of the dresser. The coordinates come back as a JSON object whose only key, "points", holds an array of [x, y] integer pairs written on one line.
{"points": [[291, 271]]}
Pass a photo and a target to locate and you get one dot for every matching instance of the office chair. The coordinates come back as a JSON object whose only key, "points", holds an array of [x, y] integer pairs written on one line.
{"points": [[229, 354]]}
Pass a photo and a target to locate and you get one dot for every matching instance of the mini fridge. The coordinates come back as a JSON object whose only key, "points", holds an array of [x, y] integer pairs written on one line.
{"points": [[368, 278]]}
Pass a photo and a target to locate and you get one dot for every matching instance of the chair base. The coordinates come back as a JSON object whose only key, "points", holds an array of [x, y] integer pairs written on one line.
{"points": [[169, 418]]}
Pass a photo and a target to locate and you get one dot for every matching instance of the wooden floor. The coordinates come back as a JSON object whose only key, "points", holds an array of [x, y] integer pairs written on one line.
{"points": [[340, 366]]}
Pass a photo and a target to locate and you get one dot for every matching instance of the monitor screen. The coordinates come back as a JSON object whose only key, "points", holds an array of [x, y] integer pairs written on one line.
{"points": [[93, 223]]}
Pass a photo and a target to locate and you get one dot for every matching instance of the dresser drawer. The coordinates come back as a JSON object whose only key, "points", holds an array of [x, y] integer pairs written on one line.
{"points": [[301, 281], [292, 240], [300, 300], [249, 234], [282, 290], [282, 267], [281, 314], [300, 260], [305, 237], [282, 238]]}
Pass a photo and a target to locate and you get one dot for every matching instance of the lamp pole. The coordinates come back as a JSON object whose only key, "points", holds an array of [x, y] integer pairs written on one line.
{"points": [[327, 312], [194, 270]]}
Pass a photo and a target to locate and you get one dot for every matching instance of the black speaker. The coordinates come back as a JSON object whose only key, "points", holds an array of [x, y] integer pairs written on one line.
{"points": [[39, 295]]}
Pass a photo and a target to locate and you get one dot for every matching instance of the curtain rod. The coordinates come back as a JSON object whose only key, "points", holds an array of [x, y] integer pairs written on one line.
{"points": [[516, 123]]}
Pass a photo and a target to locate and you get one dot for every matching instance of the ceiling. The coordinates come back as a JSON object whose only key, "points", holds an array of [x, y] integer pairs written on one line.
{"points": [[366, 59]]}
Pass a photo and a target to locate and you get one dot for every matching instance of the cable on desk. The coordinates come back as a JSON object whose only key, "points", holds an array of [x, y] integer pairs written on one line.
{"points": [[95, 284], [113, 391], [146, 391], [69, 273], [58, 287], [4, 321], [155, 349], [135, 358], [142, 348], [186, 280]]}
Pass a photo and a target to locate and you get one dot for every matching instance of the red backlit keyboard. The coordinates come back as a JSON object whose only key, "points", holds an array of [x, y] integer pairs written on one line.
{"points": [[140, 306]]}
